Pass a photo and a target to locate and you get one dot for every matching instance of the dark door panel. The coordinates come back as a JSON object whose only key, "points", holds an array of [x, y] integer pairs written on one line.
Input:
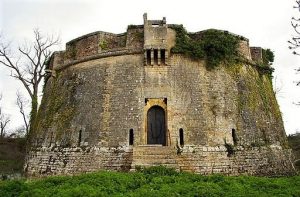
{"points": [[156, 126]]}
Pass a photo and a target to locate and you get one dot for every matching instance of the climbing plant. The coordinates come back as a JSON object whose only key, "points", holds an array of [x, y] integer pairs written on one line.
{"points": [[267, 56], [215, 46]]}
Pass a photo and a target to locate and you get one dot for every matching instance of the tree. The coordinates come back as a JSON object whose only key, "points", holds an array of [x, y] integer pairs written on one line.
{"points": [[22, 103], [19, 132], [4, 120], [27, 64], [295, 41]]}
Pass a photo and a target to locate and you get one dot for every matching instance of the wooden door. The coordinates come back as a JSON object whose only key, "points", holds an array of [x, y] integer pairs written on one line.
{"points": [[156, 127]]}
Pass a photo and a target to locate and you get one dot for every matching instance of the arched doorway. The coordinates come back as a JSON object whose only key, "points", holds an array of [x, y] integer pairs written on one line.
{"points": [[156, 126]]}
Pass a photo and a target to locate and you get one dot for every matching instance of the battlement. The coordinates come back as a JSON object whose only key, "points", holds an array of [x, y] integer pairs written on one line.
{"points": [[154, 39], [256, 54]]}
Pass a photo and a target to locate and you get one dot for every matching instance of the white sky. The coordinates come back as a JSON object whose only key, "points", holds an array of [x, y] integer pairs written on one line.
{"points": [[265, 22]]}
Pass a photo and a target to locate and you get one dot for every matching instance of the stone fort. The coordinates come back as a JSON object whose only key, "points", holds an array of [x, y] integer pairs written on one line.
{"points": [[118, 101]]}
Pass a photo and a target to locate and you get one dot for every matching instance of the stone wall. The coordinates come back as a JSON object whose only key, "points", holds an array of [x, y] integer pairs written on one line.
{"points": [[103, 86], [100, 42], [265, 160], [137, 38], [256, 54], [259, 161], [57, 160], [88, 109]]}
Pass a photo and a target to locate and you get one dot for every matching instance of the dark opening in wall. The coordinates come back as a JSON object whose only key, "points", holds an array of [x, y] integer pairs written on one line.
{"points": [[234, 137], [155, 56], [148, 55], [163, 56], [131, 137], [166, 100], [79, 137], [265, 137], [181, 140]]}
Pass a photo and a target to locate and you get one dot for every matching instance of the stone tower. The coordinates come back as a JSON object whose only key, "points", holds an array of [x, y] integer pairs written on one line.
{"points": [[117, 101]]}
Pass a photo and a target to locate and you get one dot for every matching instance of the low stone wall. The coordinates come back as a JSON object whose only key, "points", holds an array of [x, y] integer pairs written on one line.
{"points": [[267, 160], [260, 161], [57, 161]]}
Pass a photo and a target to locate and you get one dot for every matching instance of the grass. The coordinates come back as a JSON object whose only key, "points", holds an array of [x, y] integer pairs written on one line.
{"points": [[155, 181]]}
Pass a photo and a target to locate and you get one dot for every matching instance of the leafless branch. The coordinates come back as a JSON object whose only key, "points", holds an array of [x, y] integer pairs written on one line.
{"points": [[4, 120], [297, 6], [29, 68], [278, 87], [22, 103], [294, 43]]}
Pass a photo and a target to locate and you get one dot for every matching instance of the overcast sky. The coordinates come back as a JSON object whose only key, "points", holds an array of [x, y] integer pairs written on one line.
{"points": [[265, 23]]}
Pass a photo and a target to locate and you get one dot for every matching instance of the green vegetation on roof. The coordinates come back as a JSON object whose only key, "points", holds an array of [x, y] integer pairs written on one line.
{"points": [[268, 57], [215, 46]]}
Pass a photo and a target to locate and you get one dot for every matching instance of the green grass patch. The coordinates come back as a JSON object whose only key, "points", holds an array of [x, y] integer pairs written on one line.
{"points": [[155, 181]]}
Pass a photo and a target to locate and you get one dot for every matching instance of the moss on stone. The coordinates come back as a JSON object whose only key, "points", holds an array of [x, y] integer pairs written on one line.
{"points": [[256, 103], [55, 112], [103, 44], [139, 36], [257, 88], [71, 52]]}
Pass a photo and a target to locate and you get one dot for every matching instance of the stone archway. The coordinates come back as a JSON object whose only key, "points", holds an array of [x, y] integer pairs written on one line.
{"points": [[156, 126]]}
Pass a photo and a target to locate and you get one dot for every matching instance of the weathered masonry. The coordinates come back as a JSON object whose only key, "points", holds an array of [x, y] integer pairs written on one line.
{"points": [[117, 101]]}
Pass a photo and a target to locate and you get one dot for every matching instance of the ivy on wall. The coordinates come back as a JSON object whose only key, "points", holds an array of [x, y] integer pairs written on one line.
{"points": [[267, 56], [264, 67], [215, 46]]}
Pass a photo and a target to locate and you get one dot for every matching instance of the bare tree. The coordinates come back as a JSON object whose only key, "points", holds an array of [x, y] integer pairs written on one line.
{"points": [[22, 103], [277, 87], [295, 41], [19, 132], [4, 120], [27, 64]]}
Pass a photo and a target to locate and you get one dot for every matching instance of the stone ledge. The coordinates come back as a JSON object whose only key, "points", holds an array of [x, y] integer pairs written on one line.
{"points": [[109, 53]]}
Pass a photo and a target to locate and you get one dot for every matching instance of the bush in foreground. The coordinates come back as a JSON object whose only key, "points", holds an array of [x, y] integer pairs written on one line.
{"points": [[155, 181]]}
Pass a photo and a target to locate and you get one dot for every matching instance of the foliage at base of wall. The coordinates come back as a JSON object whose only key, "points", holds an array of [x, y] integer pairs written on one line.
{"points": [[215, 46], [156, 181]]}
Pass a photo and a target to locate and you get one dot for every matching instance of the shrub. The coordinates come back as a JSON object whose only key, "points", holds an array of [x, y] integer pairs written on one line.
{"points": [[215, 46], [268, 57], [150, 182], [158, 171]]}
